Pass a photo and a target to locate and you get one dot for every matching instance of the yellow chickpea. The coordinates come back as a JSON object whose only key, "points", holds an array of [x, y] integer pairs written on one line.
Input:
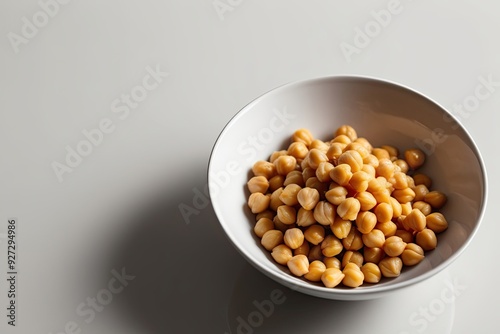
{"points": [[285, 164], [371, 272], [281, 254], [334, 151], [397, 209], [351, 158], [366, 221], [341, 174], [394, 246], [436, 199], [426, 239], [412, 255], [331, 246], [264, 168], [331, 262], [298, 265], [388, 228], [341, 139], [293, 238], [303, 135], [320, 145], [424, 207], [315, 234], [436, 222], [403, 165], [262, 226], [304, 249], [271, 239], [420, 178], [308, 198], [352, 257], [371, 160], [373, 255], [349, 208], [341, 227], [332, 277], [287, 214], [348, 131], [366, 200], [336, 195], [298, 150], [275, 201], [390, 266], [324, 213], [258, 184], [403, 195], [359, 181], [323, 171], [294, 177], [315, 157], [353, 240], [365, 143], [415, 221], [384, 212], [316, 270], [381, 153], [276, 182], [374, 239], [353, 275], [313, 182], [405, 235], [385, 168], [258, 202], [305, 217]]}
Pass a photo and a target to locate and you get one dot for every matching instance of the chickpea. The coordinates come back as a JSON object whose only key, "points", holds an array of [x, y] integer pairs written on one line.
{"points": [[264, 168], [258, 184], [353, 240], [315, 234], [341, 174], [324, 213], [278, 225], [404, 195], [388, 228], [304, 249], [271, 239], [424, 207], [258, 202], [331, 246], [341, 227], [403, 165], [352, 257], [289, 194], [405, 235], [293, 238], [385, 168], [371, 272], [331, 262], [335, 150], [384, 212], [315, 253], [298, 265], [406, 208], [436, 199], [351, 158], [400, 181], [397, 209], [315, 157], [303, 135], [411, 181], [436, 222], [353, 275], [316, 270], [348, 131], [365, 143], [305, 217], [394, 246], [366, 200], [381, 153], [323, 171], [294, 177], [422, 179], [276, 182], [370, 170], [307, 173], [336, 195], [281, 254], [366, 221], [287, 214], [426, 239], [349, 208], [374, 239], [373, 255], [313, 182], [262, 226], [390, 266], [285, 164], [308, 198], [420, 192], [341, 139], [415, 158], [275, 201], [393, 151], [412, 255], [276, 154], [358, 147], [320, 145], [298, 150], [332, 277], [415, 221], [264, 214], [371, 160], [359, 181]]}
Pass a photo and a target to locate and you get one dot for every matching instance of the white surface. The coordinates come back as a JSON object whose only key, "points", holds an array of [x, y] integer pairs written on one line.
{"points": [[120, 206]]}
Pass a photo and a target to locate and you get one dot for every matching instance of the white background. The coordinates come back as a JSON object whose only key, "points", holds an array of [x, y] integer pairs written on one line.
{"points": [[118, 208]]}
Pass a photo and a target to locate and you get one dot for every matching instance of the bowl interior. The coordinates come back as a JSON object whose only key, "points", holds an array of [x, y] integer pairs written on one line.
{"points": [[382, 112]]}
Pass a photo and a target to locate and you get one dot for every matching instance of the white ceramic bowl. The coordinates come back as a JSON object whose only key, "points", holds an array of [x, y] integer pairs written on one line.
{"points": [[381, 111]]}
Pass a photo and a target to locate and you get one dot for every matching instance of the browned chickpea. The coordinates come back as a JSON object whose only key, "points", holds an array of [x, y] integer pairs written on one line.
{"points": [[265, 214], [373, 255], [313, 182], [420, 192], [422, 179], [315, 253], [331, 262], [412, 255], [304, 249], [405, 235], [334, 151], [426, 239], [276, 182], [415, 158]]}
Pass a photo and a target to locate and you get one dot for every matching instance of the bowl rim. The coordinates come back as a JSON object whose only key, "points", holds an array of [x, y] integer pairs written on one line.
{"points": [[296, 282]]}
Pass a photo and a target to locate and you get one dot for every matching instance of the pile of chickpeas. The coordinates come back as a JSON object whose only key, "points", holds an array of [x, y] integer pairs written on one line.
{"points": [[345, 212]]}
